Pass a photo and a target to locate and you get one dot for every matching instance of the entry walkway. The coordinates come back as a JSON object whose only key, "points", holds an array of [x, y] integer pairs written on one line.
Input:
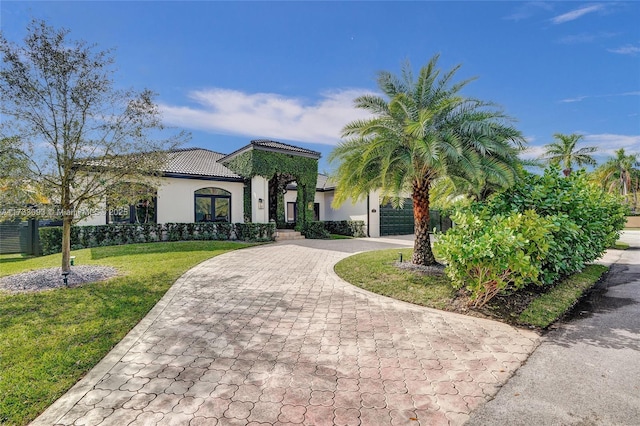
{"points": [[271, 335]]}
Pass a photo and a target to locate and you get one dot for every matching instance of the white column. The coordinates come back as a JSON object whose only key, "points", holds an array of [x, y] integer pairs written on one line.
{"points": [[374, 214], [259, 200]]}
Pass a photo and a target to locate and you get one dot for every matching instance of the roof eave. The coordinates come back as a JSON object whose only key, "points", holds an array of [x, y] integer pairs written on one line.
{"points": [[255, 145], [315, 156], [202, 177]]}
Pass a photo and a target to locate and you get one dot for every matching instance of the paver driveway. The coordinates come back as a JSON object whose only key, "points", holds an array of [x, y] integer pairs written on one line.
{"points": [[270, 335]]}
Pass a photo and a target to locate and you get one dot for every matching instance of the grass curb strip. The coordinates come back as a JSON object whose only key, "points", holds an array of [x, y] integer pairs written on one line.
{"points": [[551, 306]]}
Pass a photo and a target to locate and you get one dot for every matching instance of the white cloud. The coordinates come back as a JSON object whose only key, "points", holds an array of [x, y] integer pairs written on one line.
{"points": [[576, 99], [268, 114], [582, 98], [575, 14], [608, 143], [532, 151], [628, 49], [585, 37], [527, 10]]}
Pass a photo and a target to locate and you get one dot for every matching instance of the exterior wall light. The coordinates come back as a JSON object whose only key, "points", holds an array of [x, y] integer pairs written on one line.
{"points": [[260, 203]]}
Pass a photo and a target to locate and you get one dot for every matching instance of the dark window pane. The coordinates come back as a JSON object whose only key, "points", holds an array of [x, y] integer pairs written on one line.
{"points": [[120, 214], [213, 191], [222, 210], [145, 211], [203, 209]]}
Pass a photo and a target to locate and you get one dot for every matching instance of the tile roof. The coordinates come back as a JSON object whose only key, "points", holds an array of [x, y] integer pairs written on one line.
{"points": [[197, 162], [202, 162], [324, 183], [283, 147], [273, 146]]}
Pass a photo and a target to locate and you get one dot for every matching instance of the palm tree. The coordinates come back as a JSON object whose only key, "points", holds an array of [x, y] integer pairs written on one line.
{"points": [[563, 151], [619, 175], [423, 129]]}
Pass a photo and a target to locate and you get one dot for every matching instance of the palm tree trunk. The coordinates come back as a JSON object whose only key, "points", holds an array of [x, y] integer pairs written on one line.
{"points": [[422, 253]]}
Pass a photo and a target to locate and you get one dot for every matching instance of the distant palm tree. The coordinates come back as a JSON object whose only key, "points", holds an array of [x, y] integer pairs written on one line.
{"points": [[564, 152], [619, 175], [423, 129]]}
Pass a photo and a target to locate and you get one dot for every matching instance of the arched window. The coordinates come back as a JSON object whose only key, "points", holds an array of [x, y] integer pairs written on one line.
{"points": [[131, 203], [212, 205]]}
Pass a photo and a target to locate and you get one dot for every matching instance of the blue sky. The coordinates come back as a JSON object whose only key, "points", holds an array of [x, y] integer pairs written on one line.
{"points": [[229, 72]]}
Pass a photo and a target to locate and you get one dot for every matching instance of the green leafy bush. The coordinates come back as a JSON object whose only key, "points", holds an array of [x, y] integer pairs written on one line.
{"points": [[489, 254], [255, 231], [51, 240], [587, 219], [118, 234], [351, 228], [313, 230]]}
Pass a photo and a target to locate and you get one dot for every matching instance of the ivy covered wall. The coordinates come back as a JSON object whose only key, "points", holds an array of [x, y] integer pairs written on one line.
{"points": [[281, 169]]}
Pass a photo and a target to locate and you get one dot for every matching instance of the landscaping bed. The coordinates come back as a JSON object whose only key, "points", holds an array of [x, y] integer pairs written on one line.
{"points": [[536, 307]]}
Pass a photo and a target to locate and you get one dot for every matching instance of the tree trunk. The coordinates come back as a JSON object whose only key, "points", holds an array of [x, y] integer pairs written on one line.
{"points": [[273, 198], [67, 219], [422, 253]]}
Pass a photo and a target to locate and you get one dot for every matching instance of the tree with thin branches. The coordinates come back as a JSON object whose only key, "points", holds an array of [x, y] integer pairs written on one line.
{"points": [[81, 135], [563, 152], [422, 129]]}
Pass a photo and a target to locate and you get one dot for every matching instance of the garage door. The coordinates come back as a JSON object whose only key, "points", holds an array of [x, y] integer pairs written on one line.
{"points": [[396, 221]]}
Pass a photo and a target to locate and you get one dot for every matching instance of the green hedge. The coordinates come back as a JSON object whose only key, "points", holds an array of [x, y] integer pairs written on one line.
{"points": [[350, 228], [490, 254], [587, 219], [322, 229], [313, 230], [117, 234], [539, 231]]}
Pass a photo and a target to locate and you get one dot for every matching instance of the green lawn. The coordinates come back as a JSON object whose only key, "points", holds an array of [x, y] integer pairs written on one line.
{"points": [[49, 340], [375, 271], [620, 245], [550, 306]]}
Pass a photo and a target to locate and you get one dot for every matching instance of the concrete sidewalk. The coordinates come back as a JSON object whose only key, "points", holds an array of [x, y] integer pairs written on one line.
{"points": [[587, 370], [271, 335]]}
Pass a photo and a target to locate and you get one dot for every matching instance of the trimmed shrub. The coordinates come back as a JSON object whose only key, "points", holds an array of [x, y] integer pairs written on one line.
{"points": [[539, 231], [587, 220], [255, 231], [51, 240], [491, 254], [117, 234], [313, 230], [351, 228]]}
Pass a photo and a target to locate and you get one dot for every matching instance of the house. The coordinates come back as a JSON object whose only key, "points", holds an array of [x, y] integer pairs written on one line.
{"points": [[261, 182]]}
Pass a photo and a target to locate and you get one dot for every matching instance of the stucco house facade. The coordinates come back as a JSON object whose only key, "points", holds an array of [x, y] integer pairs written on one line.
{"points": [[200, 185]]}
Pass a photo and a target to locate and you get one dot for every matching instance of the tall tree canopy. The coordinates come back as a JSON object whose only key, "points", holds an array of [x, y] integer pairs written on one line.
{"points": [[563, 152], [80, 133], [422, 129], [620, 174]]}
